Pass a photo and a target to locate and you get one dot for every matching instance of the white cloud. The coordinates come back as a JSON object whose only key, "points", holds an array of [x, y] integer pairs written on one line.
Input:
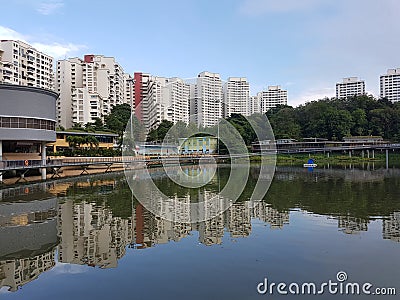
{"points": [[259, 7], [54, 49], [58, 50], [49, 7], [311, 95], [9, 34]]}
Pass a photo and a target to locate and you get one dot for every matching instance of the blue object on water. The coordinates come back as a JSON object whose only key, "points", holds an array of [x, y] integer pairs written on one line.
{"points": [[310, 161]]}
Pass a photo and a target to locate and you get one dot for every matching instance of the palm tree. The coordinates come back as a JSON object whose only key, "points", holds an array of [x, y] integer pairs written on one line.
{"points": [[91, 140], [75, 141]]}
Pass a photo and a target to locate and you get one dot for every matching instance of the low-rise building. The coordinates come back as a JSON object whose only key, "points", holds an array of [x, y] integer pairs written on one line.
{"points": [[27, 122], [106, 140], [198, 145]]}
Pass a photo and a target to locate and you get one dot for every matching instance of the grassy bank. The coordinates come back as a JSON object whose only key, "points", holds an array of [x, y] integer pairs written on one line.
{"points": [[284, 159]]}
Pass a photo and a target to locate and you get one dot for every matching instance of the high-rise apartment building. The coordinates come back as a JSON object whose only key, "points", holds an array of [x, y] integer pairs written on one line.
{"points": [[140, 90], [390, 85], [206, 99], [152, 104], [254, 105], [163, 99], [1, 65], [129, 91], [89, 88], [350, 87], [235, 97], [176, 94], [271, 98], [24, 65]]}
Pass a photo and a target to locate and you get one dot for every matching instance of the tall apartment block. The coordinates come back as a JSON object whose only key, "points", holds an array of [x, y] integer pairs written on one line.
{"points": [[160, 98], [24, 65], [206, 99], [235, 97], [1, 65], [153, 104], [89, 88], [350, 87], [176, 94], [271, 98], [254, 105], [140, 90], [390, 85], [129, 91]]}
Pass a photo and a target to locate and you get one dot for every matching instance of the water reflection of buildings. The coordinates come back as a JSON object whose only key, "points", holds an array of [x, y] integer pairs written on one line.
{"points": [[236, 220], [89, 234], [352, 225], [211, 231], [28, 235], [18, 272], [391, 227], [277, 219]]}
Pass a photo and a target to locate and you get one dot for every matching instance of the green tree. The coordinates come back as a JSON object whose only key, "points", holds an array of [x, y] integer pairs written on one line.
{"points": [[78, 126], [98, 124], [91, 141], [244, 128], [118, 119], [284, 123], [360, 122], [75, 141], [89, 127], [179, 130], [158, 134], [338, 123]]}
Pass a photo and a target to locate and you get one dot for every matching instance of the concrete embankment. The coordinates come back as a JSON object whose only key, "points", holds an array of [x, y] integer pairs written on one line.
{"points": [[64, 173]]}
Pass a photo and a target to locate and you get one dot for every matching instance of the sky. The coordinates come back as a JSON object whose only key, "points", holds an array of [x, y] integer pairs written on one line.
{"points": [[305, 46]]}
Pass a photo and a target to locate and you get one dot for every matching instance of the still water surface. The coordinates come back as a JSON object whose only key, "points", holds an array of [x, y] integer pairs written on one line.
{"points": [[88, 238]]}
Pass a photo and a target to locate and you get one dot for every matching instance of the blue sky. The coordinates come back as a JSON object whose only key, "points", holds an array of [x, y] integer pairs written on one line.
{"points": [[306, 46]]}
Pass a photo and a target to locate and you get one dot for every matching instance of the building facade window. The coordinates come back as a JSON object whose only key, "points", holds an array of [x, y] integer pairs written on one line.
{"points": [[31, 123]]}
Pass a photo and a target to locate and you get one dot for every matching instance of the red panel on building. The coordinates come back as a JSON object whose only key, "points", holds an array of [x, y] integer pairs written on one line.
{"points": [[139, 225], [88, 58], [138, 94]]}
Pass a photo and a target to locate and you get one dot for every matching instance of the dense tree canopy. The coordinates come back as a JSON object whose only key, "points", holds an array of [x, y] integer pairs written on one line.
{"points": [[158, 134], [336, 118], [118, 118]]}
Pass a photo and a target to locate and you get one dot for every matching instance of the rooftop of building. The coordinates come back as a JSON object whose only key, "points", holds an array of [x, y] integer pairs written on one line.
{"points": [[80, 132], [27, 88]]}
